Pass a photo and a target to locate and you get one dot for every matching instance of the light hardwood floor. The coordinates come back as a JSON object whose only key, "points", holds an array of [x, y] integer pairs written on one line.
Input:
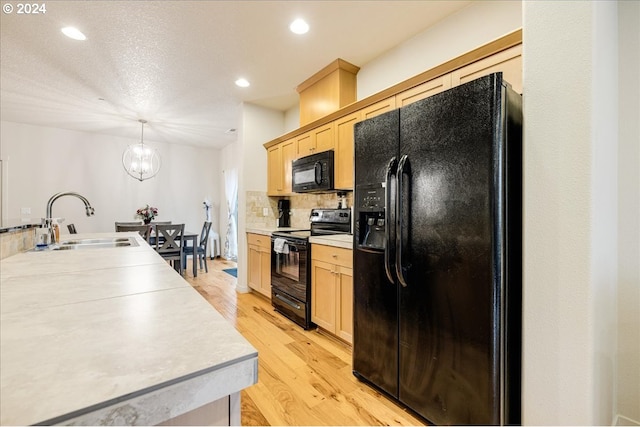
{"points": [[304, 377]]}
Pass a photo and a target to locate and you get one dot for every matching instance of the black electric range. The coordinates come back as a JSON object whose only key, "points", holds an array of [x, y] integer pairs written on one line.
{"points": [[291, 263]]}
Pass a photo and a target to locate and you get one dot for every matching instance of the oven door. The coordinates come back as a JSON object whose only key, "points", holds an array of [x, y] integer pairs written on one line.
{"points": [[289, 271]]}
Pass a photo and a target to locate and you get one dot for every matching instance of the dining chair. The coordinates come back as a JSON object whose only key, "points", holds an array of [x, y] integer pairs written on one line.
{"points": [[72, 229], [127, 223], [160, 222], [143, 229], [169, 243], [201, 249]]}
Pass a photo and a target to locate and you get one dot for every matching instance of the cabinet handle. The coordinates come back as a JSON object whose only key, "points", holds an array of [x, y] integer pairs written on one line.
{"points": [[335, 255]]}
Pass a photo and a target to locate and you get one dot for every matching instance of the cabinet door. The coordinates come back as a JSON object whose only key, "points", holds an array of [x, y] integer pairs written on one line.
{"points": [[324, 139], [333, 255], [344, 318], [265, 272], [508, 61], [274, 171], [343, 173], [260, 240], [379, 108], [254, 266], [424, 90], [305, 144], [288, 155], [323, 295]]}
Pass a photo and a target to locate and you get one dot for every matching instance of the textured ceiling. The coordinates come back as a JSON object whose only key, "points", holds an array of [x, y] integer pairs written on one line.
{"points": [[174, 63]]}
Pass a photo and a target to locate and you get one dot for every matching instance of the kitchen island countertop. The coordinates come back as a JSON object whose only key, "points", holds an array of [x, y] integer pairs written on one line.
{"points": [[111, 336]]}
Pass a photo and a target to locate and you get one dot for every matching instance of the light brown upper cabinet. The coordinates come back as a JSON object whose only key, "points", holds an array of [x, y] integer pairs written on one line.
{"points": [[279, 158], [343, 162], [275, 183], [378, 108], [508, 61], [344, 150], [316, 140], [327, 91], [424, 90], [289, 151]]}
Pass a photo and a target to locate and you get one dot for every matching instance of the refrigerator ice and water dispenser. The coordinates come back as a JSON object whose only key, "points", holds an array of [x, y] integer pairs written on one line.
{"points": [[371, 221]]}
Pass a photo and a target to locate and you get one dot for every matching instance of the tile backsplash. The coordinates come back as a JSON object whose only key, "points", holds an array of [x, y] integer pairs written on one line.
{"points": [[301, 205], [17, 241]]}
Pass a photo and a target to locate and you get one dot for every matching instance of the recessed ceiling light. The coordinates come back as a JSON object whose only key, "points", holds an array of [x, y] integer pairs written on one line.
{"points": [[242, 83], [299, 26], [73, 33]]}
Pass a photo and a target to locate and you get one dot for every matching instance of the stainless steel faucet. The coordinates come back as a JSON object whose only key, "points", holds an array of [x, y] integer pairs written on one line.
{"points": [[48, 221]]}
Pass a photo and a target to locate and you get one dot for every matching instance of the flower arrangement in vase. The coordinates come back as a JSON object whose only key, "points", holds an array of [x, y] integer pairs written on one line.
{"points": [[148, 213]]}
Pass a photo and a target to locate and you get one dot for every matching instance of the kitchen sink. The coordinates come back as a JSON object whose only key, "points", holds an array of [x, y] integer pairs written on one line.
{"points": [[115, 242], [94, 241], [92, 245]]}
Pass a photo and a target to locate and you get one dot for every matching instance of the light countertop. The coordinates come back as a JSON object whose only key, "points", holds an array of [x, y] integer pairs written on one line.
{"points": [[266, 231], [337, 240], [88, 332]]}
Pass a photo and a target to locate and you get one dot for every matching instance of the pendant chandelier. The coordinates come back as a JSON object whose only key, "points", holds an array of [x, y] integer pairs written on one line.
{"points": [[140, 161]]}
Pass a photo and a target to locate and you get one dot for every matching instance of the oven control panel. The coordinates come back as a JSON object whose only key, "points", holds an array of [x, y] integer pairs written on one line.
{"points": [[338, 216]]}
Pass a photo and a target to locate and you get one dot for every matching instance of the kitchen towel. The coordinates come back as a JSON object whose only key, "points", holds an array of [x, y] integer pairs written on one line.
{"points": [[280, 246]]}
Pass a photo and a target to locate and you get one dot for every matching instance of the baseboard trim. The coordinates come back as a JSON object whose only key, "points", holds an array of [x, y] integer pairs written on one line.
{"points": [[242, 289], [621, 420]]}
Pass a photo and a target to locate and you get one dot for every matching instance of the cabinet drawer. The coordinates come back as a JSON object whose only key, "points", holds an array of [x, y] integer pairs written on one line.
{"points": [[332, 255], [260, 240]]}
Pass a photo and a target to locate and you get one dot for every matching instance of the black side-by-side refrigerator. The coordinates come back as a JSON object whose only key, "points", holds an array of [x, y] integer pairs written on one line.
{"points": [[438, 254]]}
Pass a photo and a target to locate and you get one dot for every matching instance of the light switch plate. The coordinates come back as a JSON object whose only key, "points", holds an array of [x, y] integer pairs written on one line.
{"points": [[25, 211], [265, 211]]}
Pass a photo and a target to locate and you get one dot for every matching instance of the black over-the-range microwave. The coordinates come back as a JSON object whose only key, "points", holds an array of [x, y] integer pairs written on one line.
{"points": [[313, 173]]}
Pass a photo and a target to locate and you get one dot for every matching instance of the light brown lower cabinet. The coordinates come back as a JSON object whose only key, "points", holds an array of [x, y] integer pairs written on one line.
{"points": [[332, 290], [259, 263]]}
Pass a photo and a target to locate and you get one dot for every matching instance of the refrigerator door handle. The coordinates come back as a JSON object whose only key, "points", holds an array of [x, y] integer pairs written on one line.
{"points": [[399, 216], [391, 167]]}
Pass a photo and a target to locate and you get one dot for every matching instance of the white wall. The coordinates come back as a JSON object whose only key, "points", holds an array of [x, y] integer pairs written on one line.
{"points": [[41, 161], [259, 125], [558, 350], [572, 235], [604, 208], [628, 369], [292, 119]]}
